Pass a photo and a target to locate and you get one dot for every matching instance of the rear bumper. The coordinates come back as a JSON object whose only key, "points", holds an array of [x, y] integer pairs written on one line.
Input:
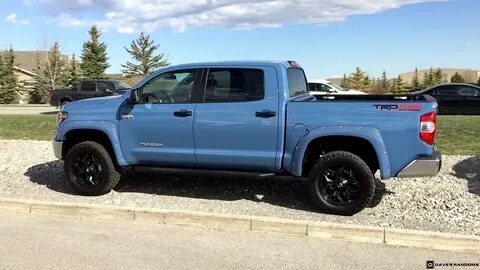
{"points": [[57, 148], [424, 166]]}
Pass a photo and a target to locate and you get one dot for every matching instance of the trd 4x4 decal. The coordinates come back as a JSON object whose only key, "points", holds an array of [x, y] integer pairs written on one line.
{"points": [[401, 107]]}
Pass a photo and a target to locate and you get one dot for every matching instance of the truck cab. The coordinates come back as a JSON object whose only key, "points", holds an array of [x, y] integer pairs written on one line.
{"points": [[256, 117]]}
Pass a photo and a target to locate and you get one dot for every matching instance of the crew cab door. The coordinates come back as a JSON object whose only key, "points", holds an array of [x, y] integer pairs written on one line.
{"points": [[159, 129], [86, 89], [236, 126]]}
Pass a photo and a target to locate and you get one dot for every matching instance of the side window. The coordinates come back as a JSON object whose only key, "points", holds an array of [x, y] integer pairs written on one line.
{"points": [[311, 87], [297, 83], [234, 85], [103, 86], [468, 91], [325, 88], [446, 90], [87, 86], [170, 87]]}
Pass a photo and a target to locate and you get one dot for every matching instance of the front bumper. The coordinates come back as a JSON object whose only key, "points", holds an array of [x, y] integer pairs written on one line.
{"points": [[57, 149], [424, 166]]}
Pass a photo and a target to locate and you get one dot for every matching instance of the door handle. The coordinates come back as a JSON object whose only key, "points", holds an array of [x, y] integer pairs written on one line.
{"points": [[265, 114], [182, 113]]}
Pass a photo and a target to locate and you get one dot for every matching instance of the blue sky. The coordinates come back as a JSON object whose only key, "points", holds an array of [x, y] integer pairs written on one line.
{"points": [[326, 37]]}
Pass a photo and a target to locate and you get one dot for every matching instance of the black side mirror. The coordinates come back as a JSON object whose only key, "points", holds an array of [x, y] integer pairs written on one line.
{"points": [[135, 95]]}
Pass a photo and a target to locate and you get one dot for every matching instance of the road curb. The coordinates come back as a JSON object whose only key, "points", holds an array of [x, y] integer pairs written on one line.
{"points": [[356, 233]]}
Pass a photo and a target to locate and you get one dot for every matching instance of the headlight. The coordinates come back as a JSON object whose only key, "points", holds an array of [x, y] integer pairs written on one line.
{"points": [[61, 116]]}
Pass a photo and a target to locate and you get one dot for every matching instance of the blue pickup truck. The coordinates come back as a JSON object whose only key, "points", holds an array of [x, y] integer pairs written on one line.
{"points": [[256, 117]]}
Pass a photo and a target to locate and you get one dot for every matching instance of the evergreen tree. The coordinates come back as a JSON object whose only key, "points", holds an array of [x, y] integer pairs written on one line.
{"points": [[384, 81], [428, 78], [73, 72], [398, 86], [366, 83], [41, 85], [438, 76], [143, 52], [344, 81], [55, 67], [356, 79], [8, 80], [94, 56], [415, 81], [478, 81], [457, 78]]}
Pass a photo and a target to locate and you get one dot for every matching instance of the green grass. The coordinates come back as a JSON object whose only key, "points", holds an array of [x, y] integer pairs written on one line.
{"points": [[27, 127], [25, 105], [457, 135]]}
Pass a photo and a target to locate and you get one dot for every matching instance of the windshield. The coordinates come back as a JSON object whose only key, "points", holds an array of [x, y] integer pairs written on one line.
{"points": [[338, 87], [121, 86]]}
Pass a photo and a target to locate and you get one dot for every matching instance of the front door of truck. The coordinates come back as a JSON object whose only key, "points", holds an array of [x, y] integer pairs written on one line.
{"points": [[159, 129], [236, 126]]}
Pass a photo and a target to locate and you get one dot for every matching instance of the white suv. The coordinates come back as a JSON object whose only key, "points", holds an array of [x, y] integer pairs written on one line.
{"points": [[323, 87]]}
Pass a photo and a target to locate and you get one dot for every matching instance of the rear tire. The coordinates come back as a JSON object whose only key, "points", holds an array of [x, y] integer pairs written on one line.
{"points": [[341, 183], [90, 170]]}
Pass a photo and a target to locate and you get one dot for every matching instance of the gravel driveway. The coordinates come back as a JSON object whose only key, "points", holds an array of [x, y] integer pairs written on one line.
{"points": [[449, 202]]}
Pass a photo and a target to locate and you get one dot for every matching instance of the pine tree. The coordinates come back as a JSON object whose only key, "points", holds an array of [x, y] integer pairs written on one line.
{"points": [[8, 80], [415, 81], [366, 83], [457, 78], [398, 86], [40, 86], [356, 79], [94, 56], [344, 82], [73, 72], [428, 78], [55, 67], [384, 80], [142, 51], [438, 76]]}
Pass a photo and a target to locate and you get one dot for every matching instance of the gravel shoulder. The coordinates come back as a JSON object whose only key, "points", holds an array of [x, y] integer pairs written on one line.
{"points": [[449, 202]]}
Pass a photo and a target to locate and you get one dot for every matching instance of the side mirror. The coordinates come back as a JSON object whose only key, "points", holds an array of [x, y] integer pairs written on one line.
{"points": [[135, 96]]}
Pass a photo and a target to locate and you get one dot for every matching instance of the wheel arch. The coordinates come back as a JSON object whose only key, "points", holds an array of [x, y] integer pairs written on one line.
{"points": [[365, 142]]}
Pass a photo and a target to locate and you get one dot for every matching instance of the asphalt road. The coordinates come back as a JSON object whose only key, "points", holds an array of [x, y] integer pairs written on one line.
{"points": [[27, 110], [34, 242]]}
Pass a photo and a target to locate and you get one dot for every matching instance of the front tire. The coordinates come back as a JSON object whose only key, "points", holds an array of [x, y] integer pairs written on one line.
{"points": [[341, 183], [90, 170]]}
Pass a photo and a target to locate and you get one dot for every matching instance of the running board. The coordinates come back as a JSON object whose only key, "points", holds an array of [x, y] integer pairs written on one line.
{"points": [[201, 172]]}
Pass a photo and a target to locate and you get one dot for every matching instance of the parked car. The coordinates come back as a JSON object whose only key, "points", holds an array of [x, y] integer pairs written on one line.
{"points": [[255, 117], [455, 98], [323, 87], [86, 89]]}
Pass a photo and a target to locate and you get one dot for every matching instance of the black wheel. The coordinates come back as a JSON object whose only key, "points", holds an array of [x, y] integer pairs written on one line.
{"points": [[90, 170], [341, 183]]}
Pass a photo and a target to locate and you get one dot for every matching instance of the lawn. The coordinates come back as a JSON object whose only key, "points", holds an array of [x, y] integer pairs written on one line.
{"points": [[458, 135], [31, 127]]}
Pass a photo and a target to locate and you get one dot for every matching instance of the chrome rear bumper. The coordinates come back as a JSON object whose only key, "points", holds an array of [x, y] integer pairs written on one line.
{"points": [[57, 148], [424, 166]]}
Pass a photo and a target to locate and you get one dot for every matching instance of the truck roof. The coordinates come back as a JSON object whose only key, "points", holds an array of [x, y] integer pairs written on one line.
{"points": [[286, 64]]}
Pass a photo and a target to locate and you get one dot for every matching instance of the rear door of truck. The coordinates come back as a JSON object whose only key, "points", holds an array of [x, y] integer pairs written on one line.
{"points": [[236, 126]]}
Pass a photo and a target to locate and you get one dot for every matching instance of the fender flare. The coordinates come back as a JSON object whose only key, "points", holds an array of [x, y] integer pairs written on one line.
{"points": [[370, 134], [106, 127]]}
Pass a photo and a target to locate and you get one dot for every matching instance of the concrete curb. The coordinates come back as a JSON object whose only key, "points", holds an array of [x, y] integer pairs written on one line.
{"points": [[356, 233]]}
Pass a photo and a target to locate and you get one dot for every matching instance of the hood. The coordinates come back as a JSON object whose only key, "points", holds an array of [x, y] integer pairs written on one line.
{"points": [[93, 102]]}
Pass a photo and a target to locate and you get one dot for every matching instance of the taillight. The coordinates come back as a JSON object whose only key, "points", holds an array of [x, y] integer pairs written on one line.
{"points": [[428, 127]]}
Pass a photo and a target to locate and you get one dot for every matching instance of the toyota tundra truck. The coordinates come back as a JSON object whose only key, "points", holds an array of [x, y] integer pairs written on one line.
{"points": [[253, 117]]}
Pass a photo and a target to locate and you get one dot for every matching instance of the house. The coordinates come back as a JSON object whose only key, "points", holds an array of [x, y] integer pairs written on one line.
{"points": [[25, 65]]}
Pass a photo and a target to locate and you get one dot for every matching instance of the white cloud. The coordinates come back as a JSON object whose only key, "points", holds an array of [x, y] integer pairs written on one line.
{"points": [[148, 15], [13, 19]]}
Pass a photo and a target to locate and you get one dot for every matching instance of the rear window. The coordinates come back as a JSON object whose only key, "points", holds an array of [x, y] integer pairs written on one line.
{"points": [[297, 84], [234, 85], [87, 86]]}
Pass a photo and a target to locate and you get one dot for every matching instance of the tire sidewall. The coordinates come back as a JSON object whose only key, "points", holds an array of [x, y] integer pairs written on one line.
{"points": [[105, 161], [362, 174]]}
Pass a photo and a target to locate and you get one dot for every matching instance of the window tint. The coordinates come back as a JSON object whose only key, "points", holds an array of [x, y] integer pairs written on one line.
{"points": [[87, 86], [297, 84], [446, 90], [311, 86], [234, 85], [468, 91], [121, 85], [324, 88], [171, 87], [103, 86]]}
